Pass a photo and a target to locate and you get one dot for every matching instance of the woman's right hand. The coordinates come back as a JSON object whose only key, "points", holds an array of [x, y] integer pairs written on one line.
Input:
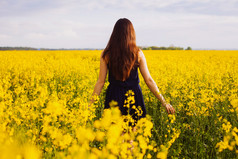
{"points": [[169, 108]]}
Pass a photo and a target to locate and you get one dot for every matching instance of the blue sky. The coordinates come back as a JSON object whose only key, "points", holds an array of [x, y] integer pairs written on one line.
{"points": [[201, 24]]}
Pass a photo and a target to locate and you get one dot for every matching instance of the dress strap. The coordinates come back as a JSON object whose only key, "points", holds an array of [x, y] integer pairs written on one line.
{"points": [[136, 64]]}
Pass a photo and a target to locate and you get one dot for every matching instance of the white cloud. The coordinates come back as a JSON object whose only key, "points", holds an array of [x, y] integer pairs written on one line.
{"points": [[83, 23]]}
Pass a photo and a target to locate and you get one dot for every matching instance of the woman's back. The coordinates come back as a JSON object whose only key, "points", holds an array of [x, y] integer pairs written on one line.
{"points": [[117, 91], [131, 81]]}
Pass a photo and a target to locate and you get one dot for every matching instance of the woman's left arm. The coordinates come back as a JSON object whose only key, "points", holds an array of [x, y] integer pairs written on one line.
{"points": [[101, 79]]}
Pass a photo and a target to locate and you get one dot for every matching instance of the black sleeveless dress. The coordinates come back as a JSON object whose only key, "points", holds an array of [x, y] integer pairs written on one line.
{"points": [[116, 91]]}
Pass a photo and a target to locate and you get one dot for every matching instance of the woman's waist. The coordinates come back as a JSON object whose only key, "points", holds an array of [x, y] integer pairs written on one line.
{"points": [[124, 84]]}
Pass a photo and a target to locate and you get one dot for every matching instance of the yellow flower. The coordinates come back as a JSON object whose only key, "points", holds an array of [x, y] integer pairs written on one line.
{"points": [[113, 103], [149, 156], [54, 108]]}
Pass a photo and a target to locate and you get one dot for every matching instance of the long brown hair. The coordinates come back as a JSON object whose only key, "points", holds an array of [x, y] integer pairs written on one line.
{"points": [[121, 51]]}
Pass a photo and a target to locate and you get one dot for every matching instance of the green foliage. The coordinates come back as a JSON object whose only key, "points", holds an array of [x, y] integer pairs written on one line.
{"points": [[189, 48], [17, 48], [161, 48]]}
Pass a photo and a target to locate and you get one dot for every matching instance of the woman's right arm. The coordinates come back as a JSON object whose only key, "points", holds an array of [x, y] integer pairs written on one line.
{"points": [[151, 83]]}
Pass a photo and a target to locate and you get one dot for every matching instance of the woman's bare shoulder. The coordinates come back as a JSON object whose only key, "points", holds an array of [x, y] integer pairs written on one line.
{"points": [[140, 55], [102, 53], [105, 58]]}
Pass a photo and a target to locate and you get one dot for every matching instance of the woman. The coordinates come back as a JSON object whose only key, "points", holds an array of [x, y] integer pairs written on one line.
{"points": [[122, 58]]}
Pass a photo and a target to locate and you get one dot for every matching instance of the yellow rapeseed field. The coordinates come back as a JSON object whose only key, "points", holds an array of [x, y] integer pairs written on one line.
{"points": [[44, 107]]}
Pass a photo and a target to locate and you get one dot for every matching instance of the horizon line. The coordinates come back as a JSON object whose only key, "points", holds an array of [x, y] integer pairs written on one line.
{"points": [[42, 48]]}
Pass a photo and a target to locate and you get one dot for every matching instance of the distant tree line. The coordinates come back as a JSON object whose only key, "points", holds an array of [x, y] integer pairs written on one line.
{"points": [[31, 48], [17, 48], [165, 48], [143, 48]]}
